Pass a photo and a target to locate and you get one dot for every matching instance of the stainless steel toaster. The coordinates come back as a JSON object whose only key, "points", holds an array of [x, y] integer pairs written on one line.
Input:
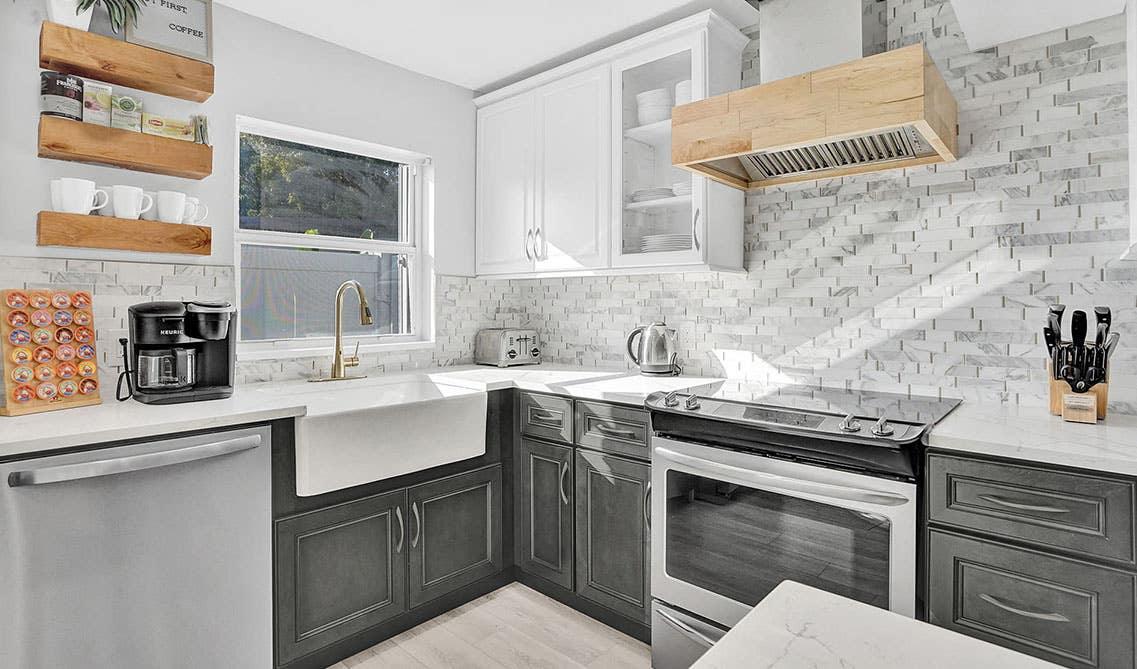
{"points": [[505, 347]]}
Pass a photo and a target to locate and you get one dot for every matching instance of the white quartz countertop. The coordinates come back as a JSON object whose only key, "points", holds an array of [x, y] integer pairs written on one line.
{"points": [[116, 421], [1032, 434], [799, 627], [618, 386]]}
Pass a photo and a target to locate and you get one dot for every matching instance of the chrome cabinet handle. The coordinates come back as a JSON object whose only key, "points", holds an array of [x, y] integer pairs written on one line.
{"points": [[564, 473], [647, 506], [688, 631], [547, 417], [995, 499], [528, 238], [1050, 617], [131, 463], [695, 229], [402, 530], [418, 524], [539, 249], [614, 432]]}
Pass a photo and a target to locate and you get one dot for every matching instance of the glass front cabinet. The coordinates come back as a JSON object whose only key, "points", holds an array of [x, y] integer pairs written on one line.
{"points": [[632, 211]]}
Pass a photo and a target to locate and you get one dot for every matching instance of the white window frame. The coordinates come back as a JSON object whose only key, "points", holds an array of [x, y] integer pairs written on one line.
{"points": [[416, 202]]}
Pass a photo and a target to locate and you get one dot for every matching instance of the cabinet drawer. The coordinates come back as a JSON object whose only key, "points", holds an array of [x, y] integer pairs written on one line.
{"points": [[615, 429], [546, 416], [1064, 611], [1081, 513]]}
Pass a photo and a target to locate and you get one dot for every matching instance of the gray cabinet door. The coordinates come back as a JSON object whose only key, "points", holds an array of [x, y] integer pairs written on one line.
{"points": [[546, 511], [1065, 611], [454, 532], [612, 533], [339, 571]]}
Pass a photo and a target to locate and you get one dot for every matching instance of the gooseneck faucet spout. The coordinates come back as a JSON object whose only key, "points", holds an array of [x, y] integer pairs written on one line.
{"points": [[340, 362]]}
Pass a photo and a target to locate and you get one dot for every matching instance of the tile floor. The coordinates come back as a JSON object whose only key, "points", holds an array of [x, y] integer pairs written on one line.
{"points": [[514, 627]]}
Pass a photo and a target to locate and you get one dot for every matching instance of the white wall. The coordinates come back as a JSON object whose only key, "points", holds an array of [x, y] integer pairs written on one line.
{"points": [[267, 72]]}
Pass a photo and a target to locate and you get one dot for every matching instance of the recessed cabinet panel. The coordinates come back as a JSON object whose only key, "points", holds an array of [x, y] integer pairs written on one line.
{"points": [[339, 571], [612, 533], [546, 514], [454, 532], [573, 172], [505, 195]]}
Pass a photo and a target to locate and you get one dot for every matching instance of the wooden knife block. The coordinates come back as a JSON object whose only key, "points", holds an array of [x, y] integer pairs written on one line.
{"points": [[1058, 388]]}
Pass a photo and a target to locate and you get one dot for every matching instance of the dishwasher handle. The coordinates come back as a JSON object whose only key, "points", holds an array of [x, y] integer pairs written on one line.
{"points": [[131, 463]]}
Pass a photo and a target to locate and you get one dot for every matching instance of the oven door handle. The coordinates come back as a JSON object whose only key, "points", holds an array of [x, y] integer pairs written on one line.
{"points": [[783, 483]]}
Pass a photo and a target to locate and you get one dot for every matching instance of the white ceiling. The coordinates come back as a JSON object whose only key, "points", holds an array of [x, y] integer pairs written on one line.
{"points": [[986, 23], [479, 45]]}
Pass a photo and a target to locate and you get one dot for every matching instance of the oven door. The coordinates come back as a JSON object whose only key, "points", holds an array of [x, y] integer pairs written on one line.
{"points": [[730, 526]]}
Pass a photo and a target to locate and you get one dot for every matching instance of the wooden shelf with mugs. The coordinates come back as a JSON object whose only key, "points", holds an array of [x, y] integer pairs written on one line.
{"points": [[133, 220], [65, 139]]}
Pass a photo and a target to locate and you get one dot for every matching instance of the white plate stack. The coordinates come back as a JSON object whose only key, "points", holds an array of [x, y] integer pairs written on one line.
{"points": [[680, 188], [645, 194], [665, 243], [653, 106], [683, 92]]}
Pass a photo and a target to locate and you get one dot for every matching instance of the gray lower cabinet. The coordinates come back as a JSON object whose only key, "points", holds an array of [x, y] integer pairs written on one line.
{"points": [[612, 533], [454, 530], [339, 571], [546, 511], [1063, 610]]}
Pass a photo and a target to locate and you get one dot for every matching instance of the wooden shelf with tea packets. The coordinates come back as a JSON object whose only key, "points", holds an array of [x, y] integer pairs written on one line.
{"points": [[86, 54], [64, 139], [122, 234], [48, 346]]}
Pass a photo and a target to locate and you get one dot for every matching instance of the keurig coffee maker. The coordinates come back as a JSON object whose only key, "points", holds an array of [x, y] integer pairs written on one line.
{"points": [[179, 352]]}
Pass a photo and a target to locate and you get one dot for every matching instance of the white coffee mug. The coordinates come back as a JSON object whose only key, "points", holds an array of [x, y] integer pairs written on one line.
{"points": [[108, 208], [79, 196], [172, 206], [151, 214], [130, 202], [55, 203], [196, 212]]}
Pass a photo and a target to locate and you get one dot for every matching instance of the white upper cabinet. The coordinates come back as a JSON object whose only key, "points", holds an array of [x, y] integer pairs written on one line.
{"points": [[506, 132], [574, 165]]}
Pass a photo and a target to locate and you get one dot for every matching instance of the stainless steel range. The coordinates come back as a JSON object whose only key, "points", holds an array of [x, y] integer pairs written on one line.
{"points": [[754, 486]]}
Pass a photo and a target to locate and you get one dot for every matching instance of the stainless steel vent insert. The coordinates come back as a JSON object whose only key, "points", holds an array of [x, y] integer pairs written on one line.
{"points": [[899, 144]]}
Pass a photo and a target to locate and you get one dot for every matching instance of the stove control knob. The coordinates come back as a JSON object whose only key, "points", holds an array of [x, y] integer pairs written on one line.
{"points": [[692, 403], [850, 424], [672, 399], [882, 428]]}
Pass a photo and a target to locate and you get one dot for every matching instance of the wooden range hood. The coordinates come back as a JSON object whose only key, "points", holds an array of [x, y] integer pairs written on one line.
{"points": [[882, 112]]}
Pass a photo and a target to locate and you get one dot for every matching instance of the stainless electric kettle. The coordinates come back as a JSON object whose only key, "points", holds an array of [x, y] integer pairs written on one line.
{"points": [[657, 351]]}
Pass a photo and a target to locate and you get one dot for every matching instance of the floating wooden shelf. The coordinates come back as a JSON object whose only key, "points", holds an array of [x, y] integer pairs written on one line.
{"points": [[98, 57], [105, 232], [63, 139]]}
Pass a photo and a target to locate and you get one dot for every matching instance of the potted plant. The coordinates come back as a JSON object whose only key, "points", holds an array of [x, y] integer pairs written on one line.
{"points": [[120, 12], [67, 13], [77, 13]]}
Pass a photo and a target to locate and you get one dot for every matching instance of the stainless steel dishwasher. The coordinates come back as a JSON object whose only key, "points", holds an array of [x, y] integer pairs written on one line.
{"points": [[156, 554]]}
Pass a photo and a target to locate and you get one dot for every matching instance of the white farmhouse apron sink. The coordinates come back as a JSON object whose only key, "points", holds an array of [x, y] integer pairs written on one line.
{"points": [[366, 430]]}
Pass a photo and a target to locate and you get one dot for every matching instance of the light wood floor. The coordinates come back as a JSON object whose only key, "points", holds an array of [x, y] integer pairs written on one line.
{"points": [[514, 627]]}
